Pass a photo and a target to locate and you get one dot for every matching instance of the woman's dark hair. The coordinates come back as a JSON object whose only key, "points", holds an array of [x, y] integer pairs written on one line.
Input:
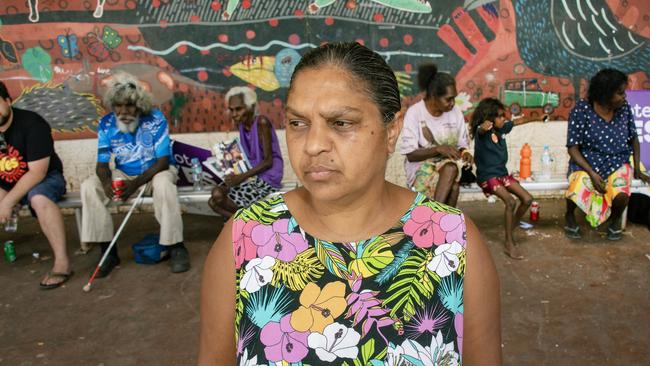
{"points": [[486, 110], [604, 85], [433, 82], [4, 93], [363, 64]]}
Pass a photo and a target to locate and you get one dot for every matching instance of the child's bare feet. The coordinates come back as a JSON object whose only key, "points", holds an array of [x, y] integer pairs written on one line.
{"points": [[512, 251]]}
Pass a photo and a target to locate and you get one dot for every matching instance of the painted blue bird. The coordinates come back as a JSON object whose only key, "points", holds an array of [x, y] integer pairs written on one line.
{"points": [[576, 38]]}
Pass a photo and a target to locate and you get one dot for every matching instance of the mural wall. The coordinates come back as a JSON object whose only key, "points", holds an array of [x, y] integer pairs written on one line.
{"points": [[536, 55]]}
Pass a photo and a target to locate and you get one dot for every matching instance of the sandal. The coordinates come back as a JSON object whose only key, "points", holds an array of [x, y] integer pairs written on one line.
{"points": [[50, 275], [613, 234], [572, 232]]}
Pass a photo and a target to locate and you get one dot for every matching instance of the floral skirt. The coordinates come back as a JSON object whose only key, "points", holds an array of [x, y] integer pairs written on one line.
{"points": [[595, 205], [427, 176]]}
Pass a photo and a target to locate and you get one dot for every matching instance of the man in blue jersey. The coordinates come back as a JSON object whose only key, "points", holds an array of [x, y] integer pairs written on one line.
{"points": [[136, 135]]}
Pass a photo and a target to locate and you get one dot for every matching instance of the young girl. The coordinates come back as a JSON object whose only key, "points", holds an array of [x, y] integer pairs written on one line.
{"points": [[489, 125]]}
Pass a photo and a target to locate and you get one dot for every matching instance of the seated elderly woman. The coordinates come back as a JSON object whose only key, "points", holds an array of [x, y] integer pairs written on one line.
{"points": [[435, 139], [260, 143], [601, 137], [348, 268]]}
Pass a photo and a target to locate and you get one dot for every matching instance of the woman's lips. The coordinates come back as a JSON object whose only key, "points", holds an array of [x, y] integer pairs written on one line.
{"points": [[319, 173]]}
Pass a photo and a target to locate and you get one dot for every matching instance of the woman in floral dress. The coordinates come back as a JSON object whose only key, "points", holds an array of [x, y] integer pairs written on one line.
{"points": [[348, 269]]}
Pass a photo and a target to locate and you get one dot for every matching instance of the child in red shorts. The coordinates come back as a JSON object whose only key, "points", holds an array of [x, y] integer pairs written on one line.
{"points": [[488, 129]]}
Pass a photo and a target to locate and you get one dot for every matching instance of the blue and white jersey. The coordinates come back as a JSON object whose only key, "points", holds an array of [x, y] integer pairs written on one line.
{"points": [[134, 153]]}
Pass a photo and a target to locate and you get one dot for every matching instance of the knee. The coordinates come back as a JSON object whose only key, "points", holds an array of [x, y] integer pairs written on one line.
{"points": [[161, 184], [620, 200], [218, 195], [510, 203], [89, 184], [449, 170], [40, 203], [527, 200]]}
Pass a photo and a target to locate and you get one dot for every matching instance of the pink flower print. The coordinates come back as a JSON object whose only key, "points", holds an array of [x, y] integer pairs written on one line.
{"points": [[243, 245], [276, 242], [282, 342], [458, 325], [423, 226], [455, 230]]}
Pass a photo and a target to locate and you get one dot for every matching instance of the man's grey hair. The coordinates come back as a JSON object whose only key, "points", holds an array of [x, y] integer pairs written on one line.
{"points": [[248, 95], [124, 88]]}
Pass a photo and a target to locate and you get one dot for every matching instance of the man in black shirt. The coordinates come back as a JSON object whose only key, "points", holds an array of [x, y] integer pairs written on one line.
{"points": [[31, 173]]}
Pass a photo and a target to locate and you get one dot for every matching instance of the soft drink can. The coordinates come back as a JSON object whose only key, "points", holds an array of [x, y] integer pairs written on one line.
{"points": [[534, 211], [118, 188], [10, 251]]}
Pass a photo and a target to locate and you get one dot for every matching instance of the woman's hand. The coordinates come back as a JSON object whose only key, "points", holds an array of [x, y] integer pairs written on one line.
{"points": [[599, 184], [233, 180], [641, 176], [448, 151]]}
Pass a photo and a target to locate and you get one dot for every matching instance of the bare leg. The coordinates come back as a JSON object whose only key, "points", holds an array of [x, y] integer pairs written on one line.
{"points": [[509, 245], [453, 195], [525, 200], [446, 180], [220, 203], [51, 221], [569, 216], [618, 206]]}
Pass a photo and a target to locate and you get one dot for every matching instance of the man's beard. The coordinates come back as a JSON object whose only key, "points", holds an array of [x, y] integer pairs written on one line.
{"points": [[127, 124]]}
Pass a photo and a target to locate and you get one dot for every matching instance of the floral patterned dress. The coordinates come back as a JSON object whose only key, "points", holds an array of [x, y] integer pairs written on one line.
{"points": [[394, 299]]}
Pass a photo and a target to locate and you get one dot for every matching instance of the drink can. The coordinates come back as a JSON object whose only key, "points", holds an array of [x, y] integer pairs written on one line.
{"points": [[534, 211], [118, 188], [10, 251]]}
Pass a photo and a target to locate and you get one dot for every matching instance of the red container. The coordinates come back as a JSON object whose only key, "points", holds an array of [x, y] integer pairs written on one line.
{"points": [[118, 188], [534, 211]]}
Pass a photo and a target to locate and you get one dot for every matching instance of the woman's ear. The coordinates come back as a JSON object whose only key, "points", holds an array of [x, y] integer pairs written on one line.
{"points": [[393, 130]]}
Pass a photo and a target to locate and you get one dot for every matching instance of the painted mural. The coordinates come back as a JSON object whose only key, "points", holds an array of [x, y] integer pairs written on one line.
{"points": [[536, 55]]}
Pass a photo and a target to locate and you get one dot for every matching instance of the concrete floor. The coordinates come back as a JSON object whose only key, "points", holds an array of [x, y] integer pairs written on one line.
{"points": [[568, 303]]}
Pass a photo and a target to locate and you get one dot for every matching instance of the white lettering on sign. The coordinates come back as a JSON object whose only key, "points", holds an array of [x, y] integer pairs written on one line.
{"points": [[643, 130]]}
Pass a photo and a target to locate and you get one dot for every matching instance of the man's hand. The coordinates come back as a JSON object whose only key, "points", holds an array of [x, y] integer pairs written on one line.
{"points": [[641, 176], [108, 190], [233, 180], [130, 186], [599, 184], [448, 151], [468, 159], [6, 209]]}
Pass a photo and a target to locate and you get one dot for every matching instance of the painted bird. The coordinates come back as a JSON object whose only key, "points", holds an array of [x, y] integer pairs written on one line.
{"points": [[574, 39]]}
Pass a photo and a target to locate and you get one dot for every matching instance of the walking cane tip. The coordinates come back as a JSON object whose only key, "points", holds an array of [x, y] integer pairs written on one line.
{"points": [[87, 287]]}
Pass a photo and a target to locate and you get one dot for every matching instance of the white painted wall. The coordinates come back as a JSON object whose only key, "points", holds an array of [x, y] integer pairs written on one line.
{"points": [[79, 156]]}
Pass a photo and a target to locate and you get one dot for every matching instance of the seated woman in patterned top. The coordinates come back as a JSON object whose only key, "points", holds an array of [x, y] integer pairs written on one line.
{"points": [[348, 268], [601, 137]]}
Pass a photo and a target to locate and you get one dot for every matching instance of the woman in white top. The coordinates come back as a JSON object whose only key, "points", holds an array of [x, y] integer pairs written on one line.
{"points": [[435, 139]]}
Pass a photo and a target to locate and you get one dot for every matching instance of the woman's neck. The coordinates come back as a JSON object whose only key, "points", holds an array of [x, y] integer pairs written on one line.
{"points": [[431, 108], [351, 218], [606, 113]]}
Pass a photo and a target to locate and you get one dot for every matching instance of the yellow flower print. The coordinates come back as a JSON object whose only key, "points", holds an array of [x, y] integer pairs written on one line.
{"points": [[319, 307]]}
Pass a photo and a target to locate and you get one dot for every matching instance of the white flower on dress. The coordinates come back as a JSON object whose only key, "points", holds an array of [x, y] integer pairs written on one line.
{"points": [[337, 340], [258, 274], [446, 259], [244, 361], [410, 352]]}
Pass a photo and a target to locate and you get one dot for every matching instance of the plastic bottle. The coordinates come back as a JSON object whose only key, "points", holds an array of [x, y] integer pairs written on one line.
{"points": [[11, 225], [197, 174], [524, 163], [547, 164]]}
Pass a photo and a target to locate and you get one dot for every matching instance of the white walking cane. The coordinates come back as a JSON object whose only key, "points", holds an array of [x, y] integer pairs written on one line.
{"points": [[88, 286]]}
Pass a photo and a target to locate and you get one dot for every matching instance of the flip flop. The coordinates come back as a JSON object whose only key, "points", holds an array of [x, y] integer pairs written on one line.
{"points": [[572, 232], [613, 234], [525, 225], [50, 275]]}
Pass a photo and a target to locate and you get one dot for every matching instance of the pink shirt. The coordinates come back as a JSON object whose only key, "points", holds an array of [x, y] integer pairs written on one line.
{"points": [[448, 129]]}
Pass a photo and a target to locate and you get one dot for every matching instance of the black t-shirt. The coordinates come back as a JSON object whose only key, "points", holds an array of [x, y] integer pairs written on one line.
{"points": [[29, 138], [491, 153]]}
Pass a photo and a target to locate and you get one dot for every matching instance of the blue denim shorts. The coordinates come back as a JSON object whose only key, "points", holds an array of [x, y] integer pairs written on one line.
{"points": [[52, 187]]}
